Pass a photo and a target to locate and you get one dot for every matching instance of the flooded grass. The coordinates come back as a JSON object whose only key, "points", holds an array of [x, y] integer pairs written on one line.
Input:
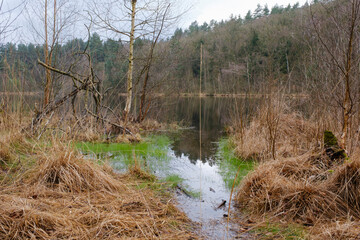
{"points": [[170, 158], [173, 180], [229, 164], [151, 154]]}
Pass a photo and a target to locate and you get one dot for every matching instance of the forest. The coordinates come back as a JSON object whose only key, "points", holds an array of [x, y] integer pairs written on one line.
{"points": [[113, 119], [239, 54]]}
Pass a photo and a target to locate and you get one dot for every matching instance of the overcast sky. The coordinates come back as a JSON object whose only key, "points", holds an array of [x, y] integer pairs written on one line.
{"points": [[206, 10], [200, 11]]}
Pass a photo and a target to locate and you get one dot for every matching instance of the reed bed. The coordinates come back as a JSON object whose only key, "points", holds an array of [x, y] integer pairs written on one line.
{"points": [[312, 189], [299, 178], [287, 132], [64, 196]]}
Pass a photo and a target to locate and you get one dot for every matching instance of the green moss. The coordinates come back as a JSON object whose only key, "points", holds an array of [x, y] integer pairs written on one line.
{"points": [[329, 139]]}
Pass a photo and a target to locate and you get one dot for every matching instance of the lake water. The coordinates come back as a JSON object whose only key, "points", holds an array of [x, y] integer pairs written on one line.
{"points": [[207, 175], [207, 169]]}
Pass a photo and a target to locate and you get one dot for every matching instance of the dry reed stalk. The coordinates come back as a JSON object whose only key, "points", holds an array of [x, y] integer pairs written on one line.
{"points": [[288, 133], [65, 196], [339, 230], [298, 189]]}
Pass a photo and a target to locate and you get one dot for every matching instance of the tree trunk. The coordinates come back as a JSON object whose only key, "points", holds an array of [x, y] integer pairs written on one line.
{"points": [[346, 120], [46, 55], [131, 61], [347, 103]]}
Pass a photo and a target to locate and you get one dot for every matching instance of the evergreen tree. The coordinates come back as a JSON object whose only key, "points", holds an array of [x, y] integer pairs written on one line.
{"points": [[277, 9], [258, 12], [248, 16], [96, 48], [266, 10]]}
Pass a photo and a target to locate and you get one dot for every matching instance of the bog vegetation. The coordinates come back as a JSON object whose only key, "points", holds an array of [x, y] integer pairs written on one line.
{"points": [[60, 89]]}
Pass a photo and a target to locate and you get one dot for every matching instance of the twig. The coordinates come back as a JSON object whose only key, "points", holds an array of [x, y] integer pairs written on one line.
{"points": [[45, 126], [110, 122]]}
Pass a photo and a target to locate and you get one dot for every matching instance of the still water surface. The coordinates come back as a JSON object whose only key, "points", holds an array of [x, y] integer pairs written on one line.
{"points": [[207, 174]]}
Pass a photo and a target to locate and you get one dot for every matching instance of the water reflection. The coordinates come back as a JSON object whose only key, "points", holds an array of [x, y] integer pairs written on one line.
{"points": [[216, 113], [180, 155]]}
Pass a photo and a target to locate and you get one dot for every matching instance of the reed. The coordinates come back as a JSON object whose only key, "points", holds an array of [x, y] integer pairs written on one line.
{"points": [[58, 194]]}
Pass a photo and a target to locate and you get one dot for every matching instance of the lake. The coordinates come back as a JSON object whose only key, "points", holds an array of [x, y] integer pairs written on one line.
{"points": [[207, 176]]}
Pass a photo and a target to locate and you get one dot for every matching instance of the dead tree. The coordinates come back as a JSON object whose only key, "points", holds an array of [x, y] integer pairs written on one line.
{"points": [[81, 83]]}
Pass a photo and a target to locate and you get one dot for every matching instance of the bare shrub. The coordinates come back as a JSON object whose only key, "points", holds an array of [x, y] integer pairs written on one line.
{"points": [[275, 131]]}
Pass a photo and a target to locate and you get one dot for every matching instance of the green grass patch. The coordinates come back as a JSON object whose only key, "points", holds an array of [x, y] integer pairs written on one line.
{"points": [[281, 231], [193, 194], [151, 154], [173, 180], [229, 164]]}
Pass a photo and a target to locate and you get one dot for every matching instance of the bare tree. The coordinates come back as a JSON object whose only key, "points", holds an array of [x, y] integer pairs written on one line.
{"points": [[134, 19], [158, 28], [336, 25], [47, 55], [54, 23], [8, 15]]}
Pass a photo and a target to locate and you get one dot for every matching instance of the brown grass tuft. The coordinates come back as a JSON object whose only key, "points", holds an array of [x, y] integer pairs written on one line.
{"points": [[339, 230], [65, 196], [67, 170], [137, 171], [5, 154], [302, 189], [345, 183], [11, 146]]}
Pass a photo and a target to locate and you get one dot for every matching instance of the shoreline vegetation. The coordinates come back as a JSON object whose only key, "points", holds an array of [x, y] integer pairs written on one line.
{"points": [[304, 185], [49, 190], [185, 94], [298, 64]]}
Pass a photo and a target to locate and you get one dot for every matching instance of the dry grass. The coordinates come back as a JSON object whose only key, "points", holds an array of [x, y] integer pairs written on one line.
{"points": [[345, 183], [305, 189], [64, 196], [68, 171], [294, 136], [89, 129], [303, 183], [10, 160], [347, 230]]}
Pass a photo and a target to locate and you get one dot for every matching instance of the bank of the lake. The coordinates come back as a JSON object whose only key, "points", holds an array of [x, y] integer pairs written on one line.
{"points": [[49, 190], [202, 187]]}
